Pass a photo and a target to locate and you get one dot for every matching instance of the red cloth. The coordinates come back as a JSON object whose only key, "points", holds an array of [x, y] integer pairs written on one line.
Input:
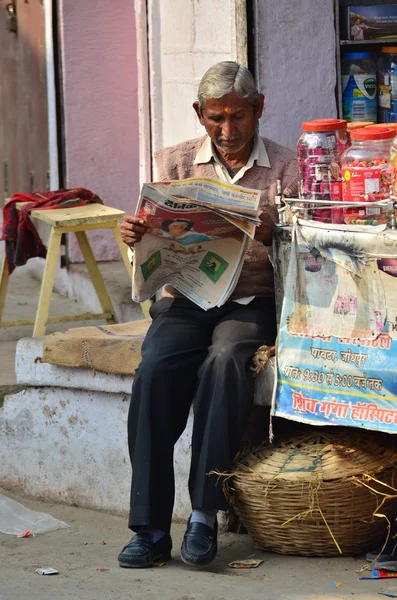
{"points": [[20, 235]]}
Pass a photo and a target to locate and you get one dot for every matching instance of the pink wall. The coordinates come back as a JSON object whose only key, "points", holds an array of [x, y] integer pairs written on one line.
{"points": [[98, 46]]}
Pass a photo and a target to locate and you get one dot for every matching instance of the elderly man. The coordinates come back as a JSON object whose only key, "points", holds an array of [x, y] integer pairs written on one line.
{"points": [[190, 353]]}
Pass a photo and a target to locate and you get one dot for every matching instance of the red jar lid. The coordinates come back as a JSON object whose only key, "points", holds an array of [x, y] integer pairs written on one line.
{"points": [[324, 125], [373, 133]]}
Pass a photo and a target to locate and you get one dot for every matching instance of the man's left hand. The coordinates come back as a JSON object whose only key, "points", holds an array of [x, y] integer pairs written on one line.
{"points": [[263, 233]]}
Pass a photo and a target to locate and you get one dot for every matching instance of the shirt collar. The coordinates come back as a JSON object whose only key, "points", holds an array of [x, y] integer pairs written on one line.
{"points": [[259, 154]]}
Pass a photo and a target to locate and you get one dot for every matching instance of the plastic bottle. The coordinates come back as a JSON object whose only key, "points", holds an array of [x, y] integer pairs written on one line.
{"points": [[359, 87], [366, 173], [320, 149], [387, 85]]}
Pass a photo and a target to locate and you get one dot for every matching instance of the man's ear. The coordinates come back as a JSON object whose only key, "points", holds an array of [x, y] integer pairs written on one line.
{"points": [[259, 110], [198, 112]]}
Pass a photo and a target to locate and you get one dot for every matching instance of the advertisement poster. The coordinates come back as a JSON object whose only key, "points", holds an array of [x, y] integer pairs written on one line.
{"points": [[337, 345]]}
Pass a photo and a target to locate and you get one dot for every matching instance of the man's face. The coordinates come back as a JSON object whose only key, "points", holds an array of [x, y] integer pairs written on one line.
{"points": [[177, 228], [230, 121]]}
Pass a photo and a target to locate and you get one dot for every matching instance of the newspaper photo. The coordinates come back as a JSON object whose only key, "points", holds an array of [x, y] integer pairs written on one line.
{"points": [[199, 234]]}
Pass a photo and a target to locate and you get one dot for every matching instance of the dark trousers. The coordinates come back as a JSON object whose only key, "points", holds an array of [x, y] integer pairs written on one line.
{"points": [[190, 353]]}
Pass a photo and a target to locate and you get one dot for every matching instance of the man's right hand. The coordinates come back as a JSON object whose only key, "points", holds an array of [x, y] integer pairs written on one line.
{"points": [[132, 229]]}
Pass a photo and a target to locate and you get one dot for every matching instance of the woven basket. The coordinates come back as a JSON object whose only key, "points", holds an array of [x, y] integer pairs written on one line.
{"points": [[316, 494]]}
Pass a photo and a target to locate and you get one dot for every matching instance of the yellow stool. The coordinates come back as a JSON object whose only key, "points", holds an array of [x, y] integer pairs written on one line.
{"points": [[76, 220]]}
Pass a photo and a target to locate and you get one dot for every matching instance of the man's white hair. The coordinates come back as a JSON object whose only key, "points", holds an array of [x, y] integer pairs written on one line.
{"points": [[224, 78]]}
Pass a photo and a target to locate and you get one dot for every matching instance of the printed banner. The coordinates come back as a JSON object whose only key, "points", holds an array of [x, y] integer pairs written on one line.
{"points": [[337, 345]]}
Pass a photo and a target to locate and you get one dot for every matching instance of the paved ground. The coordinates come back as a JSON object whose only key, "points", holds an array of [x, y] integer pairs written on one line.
{"points": [[78, 552]]}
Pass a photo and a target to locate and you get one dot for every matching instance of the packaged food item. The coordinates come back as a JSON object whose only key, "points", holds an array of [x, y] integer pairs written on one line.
{"points": [[359, 87], [358, 125], [387, 125], [320, 149], [387, 85], [366, 173], [383, 574], [47, 571], [246, 563]]}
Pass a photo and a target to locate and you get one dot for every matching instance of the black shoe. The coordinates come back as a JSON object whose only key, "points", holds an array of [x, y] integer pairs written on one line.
{"points": [[386, 559], [200, 544], [143, 552]]}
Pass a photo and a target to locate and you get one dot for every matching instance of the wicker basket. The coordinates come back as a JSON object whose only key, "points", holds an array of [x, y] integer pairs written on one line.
{"points": [[316, 494]]}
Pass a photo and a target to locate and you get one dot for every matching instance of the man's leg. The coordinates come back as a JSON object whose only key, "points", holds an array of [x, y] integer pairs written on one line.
{"points": [[223, 399], [224, 396], [175, 347]]}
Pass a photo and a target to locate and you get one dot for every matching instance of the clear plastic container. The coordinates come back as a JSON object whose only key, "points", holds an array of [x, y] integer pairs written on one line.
{"points": [[393, 162], [366, 173], [387, 85], [359, 87], [320, 149]]}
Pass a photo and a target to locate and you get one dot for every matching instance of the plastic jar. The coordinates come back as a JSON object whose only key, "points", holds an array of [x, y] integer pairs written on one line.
{"points": [[393, 162], [366, 173], [387, 84], [359, 87], [320, 149]]}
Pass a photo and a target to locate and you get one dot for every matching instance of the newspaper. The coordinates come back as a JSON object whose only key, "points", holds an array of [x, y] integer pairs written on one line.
{"points": [[199, 233]]}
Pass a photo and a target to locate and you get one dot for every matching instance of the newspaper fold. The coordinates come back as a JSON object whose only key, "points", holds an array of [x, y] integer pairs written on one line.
{"points": [[199, 233]]}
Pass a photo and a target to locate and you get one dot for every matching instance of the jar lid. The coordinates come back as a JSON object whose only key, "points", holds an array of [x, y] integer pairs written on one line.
{"points": [[389, 49], [324, 125], [357, 55], [373, 133]]}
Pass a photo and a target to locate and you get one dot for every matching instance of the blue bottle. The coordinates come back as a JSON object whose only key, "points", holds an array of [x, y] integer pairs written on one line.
{"points": [[359, 87], [387, 85]]}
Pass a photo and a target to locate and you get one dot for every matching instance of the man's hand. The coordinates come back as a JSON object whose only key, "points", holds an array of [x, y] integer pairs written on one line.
{"points": [[132, 229], [263, 233]]}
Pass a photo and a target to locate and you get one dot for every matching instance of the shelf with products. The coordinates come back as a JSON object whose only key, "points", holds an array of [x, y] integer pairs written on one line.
{"points": [[371, 48]]}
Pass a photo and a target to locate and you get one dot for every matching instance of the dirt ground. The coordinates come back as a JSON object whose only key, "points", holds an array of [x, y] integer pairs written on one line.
{"points": [[79, 551]]}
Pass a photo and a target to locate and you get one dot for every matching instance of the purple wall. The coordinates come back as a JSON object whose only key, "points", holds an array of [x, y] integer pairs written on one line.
{"points": [[296, 65], [98, 46]]}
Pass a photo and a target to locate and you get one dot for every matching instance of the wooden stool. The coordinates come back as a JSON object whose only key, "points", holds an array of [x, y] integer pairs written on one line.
{"points": [[67, 220]]}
